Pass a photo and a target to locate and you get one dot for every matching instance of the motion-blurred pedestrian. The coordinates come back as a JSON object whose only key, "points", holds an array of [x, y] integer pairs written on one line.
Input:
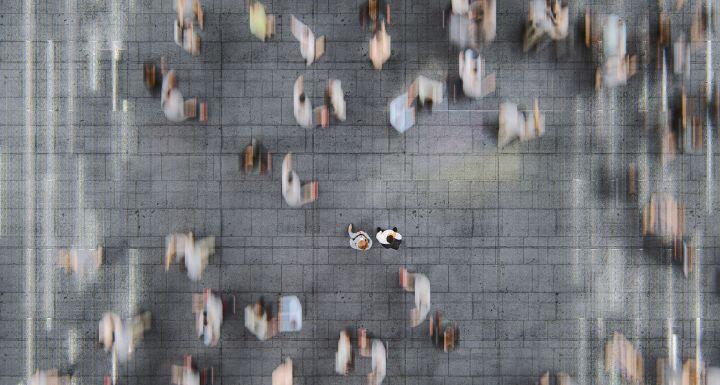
{"points": [[343, 356], [122, 336], [517, 125], [311, 49], [262, 25], [379, 47], [176, 108], [190, 18], [209, 319], [260, 321], [379, 363], [295, 193], [194, 254], [472, 72], [420, 284]]}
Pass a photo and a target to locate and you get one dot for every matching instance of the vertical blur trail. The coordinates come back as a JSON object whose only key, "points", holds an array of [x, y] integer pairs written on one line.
{"points": [[29, 164]]}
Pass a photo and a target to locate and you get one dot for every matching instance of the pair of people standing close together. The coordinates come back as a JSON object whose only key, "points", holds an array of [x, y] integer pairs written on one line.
{"points": [[388, 238]]}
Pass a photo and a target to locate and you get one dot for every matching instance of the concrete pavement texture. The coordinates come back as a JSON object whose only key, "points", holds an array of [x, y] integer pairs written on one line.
{"points": [[533, 249]]}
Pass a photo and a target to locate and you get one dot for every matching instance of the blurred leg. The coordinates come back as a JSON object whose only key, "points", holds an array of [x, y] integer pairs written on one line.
{"points": [[191, 108], [310, 192]]}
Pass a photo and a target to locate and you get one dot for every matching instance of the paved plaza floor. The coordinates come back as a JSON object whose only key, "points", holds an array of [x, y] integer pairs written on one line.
{"points": [[535, 250]]}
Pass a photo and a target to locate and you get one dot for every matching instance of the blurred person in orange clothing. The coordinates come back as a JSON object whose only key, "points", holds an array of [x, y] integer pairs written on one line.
{"points": [[379, 47]]}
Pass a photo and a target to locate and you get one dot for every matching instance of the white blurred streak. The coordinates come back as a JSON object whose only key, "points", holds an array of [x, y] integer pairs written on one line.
{"points": [[698, 348], [709, 180], [582, 352], [29, 164], [673, 347], [669, 298], [70, 73], [115, 59], [599, 363], [113, 359], [94, 59], [708, 53], [3, 182], [577, 188], [133, 283], [663, 86], [47, 225], [72, 346]]}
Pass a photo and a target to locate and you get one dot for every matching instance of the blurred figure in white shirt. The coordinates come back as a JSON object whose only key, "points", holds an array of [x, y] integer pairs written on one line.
{"points": [[311, 49], [472, 73], [121, 337], [337, 98], [259, 320], [427, 91], [294, 192], [343, 356], [468, 19], [420, 284], [189, 14], [194, 254], [289, 315], [379, 47], [618, 66], [308, 117], [516, 125], [545, 19], [176, 108], [208, 317], [379, 363], [402, 113]]}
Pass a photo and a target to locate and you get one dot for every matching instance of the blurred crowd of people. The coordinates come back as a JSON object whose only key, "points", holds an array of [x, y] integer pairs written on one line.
{"points": [[470, 26], [368, 347]]}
